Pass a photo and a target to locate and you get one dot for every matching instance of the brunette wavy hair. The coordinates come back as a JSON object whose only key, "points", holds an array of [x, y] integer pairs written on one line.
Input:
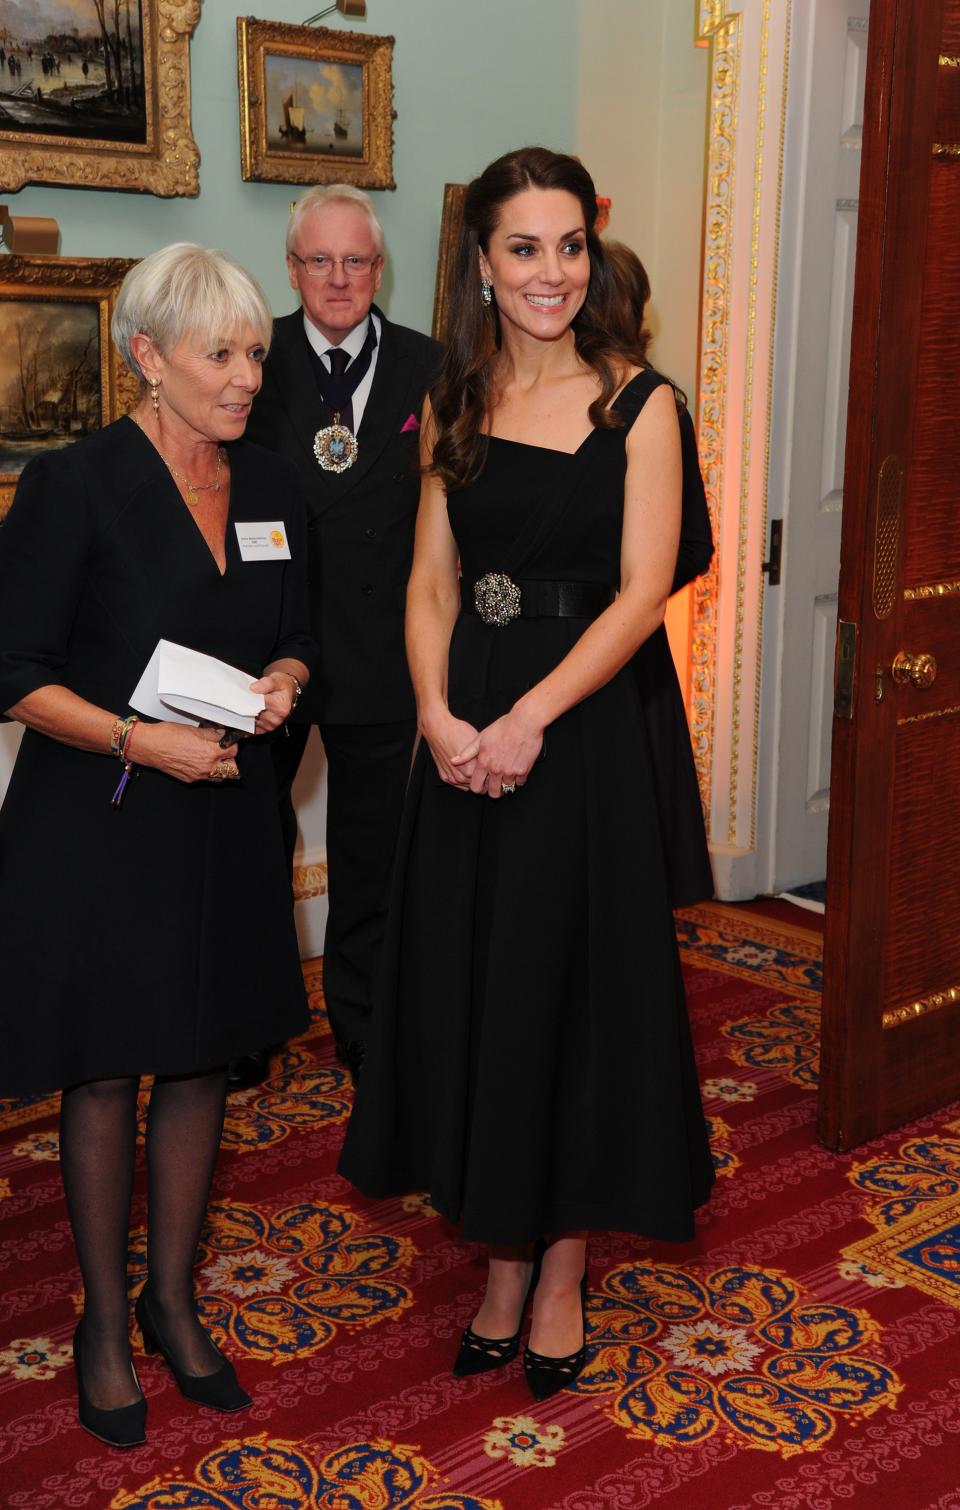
{"points": [[628, 309], [462, 396], [634, 284]]}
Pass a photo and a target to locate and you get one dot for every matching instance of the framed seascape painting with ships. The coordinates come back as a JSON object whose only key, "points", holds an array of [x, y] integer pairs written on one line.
{"points": [[316, 105], [96, 94], [60, 377]]}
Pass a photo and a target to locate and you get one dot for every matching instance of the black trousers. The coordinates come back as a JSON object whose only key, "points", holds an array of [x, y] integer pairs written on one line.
{"points": [[367, 770]]}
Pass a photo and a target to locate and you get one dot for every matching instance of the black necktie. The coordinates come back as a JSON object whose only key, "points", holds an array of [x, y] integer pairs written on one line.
{"points": [[339, 362]]}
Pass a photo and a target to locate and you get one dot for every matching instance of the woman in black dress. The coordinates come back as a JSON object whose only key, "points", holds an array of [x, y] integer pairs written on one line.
{"points": [[174, 947], [531, 1064]]}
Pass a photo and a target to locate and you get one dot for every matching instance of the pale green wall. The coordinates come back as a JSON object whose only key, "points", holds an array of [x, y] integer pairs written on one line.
{"points": [[641, 130], [470, 81]]}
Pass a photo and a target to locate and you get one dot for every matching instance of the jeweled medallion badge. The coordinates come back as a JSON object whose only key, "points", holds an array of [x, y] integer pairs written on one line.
{"points": [[335, 447]]}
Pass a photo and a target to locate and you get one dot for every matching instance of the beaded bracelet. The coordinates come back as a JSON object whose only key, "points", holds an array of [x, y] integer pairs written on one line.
{"points": [[116, 734]]}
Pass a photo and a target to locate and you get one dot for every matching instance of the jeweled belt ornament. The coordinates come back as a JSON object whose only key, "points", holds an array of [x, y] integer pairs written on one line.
{"points": [[497, 599], [335, 447]]}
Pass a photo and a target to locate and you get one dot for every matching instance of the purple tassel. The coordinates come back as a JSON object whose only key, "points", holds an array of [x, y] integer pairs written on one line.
{"points": [[117, 797]]}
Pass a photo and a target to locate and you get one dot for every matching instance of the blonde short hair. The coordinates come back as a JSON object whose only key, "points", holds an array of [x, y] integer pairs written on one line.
{"points": [[317, 197], [185, 291]]}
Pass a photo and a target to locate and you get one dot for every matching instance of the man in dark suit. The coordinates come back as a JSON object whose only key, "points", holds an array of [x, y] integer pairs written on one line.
{"points": [[342, 393]]}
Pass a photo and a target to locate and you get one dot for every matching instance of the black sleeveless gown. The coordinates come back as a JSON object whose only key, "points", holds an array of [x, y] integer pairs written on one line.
{"points": [[530, 1065]]}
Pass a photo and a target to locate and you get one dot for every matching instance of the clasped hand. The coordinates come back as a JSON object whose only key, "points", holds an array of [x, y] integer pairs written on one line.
{"points": [[277, 689], [190, 754], [480, 761], [180, 750]]}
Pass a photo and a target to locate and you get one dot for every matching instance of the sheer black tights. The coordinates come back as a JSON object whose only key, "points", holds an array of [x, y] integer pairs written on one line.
{"points": [[98, 1129], [183, 1138]]}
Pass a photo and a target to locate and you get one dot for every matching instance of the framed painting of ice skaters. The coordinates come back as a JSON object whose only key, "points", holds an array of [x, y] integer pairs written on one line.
{"points": [[96, 94], [316, 105]]}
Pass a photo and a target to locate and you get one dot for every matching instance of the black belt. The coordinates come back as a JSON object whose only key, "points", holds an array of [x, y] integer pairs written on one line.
{"points": [[498, 600]]}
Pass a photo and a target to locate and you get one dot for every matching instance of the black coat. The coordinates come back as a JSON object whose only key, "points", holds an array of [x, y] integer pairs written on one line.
{"points": [[156, 936], [361, 521]]}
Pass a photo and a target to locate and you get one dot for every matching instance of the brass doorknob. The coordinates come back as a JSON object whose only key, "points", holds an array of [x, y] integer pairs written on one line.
{"points": [[921, 669]]}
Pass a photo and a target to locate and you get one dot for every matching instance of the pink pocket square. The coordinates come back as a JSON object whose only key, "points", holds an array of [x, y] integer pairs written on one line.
{"points": [[412, 423]]}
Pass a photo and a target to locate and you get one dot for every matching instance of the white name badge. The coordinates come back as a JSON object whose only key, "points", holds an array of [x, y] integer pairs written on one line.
{"points": [[263, 542]]}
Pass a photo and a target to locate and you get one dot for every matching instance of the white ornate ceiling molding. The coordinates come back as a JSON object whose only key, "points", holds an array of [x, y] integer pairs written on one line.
{"points": [[749, 43]]}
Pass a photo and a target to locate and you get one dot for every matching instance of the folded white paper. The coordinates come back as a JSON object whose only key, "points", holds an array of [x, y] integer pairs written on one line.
{"points": [[187, 687]]}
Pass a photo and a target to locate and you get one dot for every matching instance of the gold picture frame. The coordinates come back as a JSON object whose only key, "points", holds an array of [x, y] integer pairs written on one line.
{"points": [[60, 375], [98, 114], [298, 82], [451, 219]]}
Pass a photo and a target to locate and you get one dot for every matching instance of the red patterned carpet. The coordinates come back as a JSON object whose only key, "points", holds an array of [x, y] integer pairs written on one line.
{"points": [[803, 1353]]}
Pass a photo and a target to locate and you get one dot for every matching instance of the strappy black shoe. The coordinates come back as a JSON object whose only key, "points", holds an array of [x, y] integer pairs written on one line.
{"points": [[476, 1354], [126, 1426], [220, 1390], [546, 1375]]}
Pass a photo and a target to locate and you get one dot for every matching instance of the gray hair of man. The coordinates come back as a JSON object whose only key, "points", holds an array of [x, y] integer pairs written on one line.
{"points": [[187, 292], [324, 194]]}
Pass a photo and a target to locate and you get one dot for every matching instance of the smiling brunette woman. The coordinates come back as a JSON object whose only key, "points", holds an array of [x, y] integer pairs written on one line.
{"points": [[167, 946], [531, 1065]]}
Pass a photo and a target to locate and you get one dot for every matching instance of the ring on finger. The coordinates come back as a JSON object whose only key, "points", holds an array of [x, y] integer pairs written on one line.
{"points": [[508, 786]]}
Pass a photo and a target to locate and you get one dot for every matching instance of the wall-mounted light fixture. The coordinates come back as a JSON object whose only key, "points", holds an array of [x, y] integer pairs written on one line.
{"points": [[345, 7], [29, 233]]}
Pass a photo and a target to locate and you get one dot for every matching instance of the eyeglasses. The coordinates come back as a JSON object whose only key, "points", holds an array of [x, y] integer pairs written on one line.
{"points": [[322, 266]]}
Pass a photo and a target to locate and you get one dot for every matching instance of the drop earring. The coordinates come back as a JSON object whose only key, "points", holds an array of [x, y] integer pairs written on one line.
{"points": [[155, 394], [486, 292]]}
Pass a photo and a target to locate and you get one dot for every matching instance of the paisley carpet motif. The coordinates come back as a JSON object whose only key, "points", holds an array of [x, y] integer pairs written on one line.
{"points": [[725, 1161], [740, 1350], [261, 1473], [786, 1040], [914, 1201]]}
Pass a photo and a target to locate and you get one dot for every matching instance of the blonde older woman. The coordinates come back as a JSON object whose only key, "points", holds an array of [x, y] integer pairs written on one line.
{"points": [[167, 944]]}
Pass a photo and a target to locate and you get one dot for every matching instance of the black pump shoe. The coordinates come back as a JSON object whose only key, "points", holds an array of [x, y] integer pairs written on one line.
{"points": [[546, 1375], [126, 1426], [220, 1390], [476, 1354]]}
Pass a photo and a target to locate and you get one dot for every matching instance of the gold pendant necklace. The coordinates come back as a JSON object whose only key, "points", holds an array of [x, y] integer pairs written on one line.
{"points": [[193, 488]]}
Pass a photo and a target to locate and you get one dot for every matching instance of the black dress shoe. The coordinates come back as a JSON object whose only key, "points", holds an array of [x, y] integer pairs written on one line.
{"points": [[478, 1355], [220, 1390], [351, 1055], [126, 1426], [250, 1069], [546, 1375]]}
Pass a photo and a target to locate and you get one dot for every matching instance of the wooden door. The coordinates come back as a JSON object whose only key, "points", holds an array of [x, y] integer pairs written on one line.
{"points": [[891, 1006]]}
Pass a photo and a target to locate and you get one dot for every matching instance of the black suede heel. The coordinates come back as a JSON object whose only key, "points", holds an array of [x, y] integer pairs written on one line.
{"points": [[126, 1426], [220, 1390]]}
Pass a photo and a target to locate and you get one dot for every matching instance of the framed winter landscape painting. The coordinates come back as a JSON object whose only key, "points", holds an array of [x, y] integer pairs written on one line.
{"points": [[60, 377], [96, 94], [316, 105]]}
